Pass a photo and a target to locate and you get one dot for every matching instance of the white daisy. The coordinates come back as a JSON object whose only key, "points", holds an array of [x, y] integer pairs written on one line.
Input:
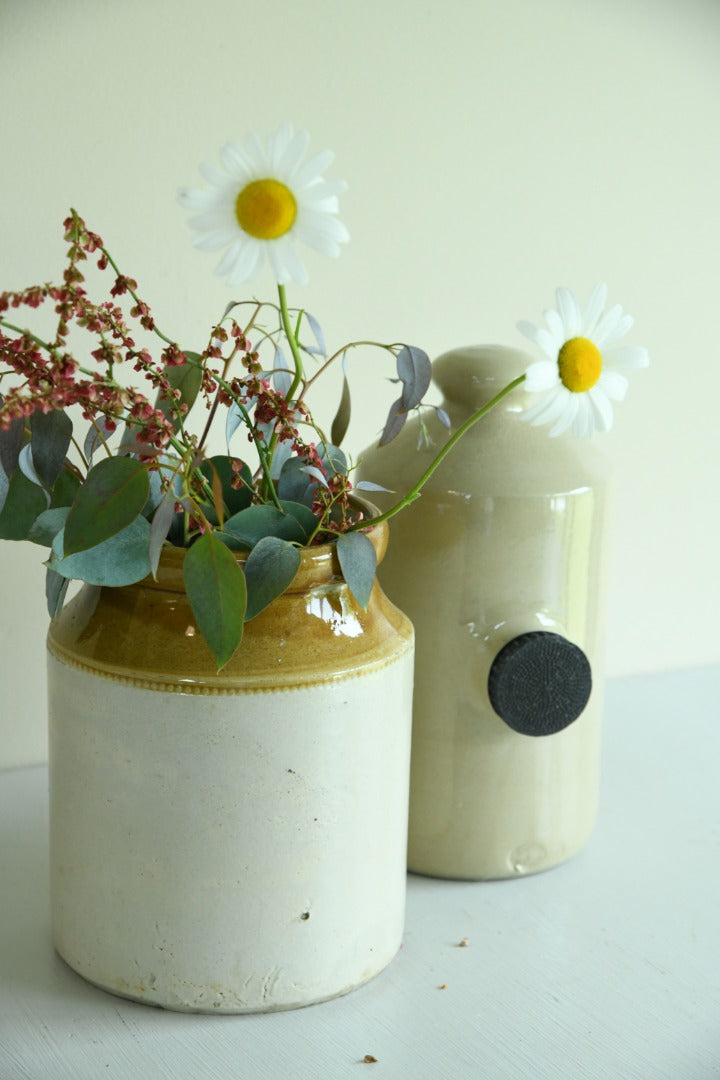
{"points": [[266, 200], [583, 371]]}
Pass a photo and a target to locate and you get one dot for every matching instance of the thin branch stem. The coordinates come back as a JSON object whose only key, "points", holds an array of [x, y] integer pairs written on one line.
{"points": [[415, 491]]}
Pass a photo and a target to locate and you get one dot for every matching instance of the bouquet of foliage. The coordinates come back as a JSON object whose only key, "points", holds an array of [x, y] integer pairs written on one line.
{"points": [[107, 501]]}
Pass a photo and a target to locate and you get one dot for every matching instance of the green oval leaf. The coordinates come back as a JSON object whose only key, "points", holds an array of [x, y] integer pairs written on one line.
{"points": [[187, 378], [215, 587], [251, 525], [51, 434], [24, 501], [270, 568], [47, 525], [303, 515], [341, 422], [113, 494], [120, 560], [358, 563], [234, 499]]}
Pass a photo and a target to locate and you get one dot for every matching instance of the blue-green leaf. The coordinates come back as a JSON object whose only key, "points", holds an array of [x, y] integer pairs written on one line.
{"points": [[269, 570], [55, 588], [358, 563], [415, 371], [253, 524], [122, 559], [215, 587], [302, 514], [294, 484], [47, 525], [160, 527], [24, 501], [394, 423], [11, 439], [187, 378], [113, 494], [51, 435]]}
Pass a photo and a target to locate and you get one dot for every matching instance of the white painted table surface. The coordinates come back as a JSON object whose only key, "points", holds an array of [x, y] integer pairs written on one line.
{"points": [[607, 968]]}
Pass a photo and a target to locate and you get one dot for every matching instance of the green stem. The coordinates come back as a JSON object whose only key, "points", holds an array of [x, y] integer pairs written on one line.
{"points": [[292, 342], [440, 457]]}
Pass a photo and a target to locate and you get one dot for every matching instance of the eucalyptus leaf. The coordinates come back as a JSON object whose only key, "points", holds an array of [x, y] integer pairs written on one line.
{"points": [[187, 378], [317, 474], [11, 439], [282, 379], [47, 525], [358, 563], [97, 434], [340, 424], [252, 524], [56, 586], [394, 423], [159, 528], [4, 486], [302, 514], [65, 487], [333, 459], [293, 483], [122, 559], [112, 496], [215, 587], [269, 570], [415, 372], [368, 485], [317, 333], [26, 465], [51, 435], [283, 453], [233, 421], [235, 499], [24, 501]]}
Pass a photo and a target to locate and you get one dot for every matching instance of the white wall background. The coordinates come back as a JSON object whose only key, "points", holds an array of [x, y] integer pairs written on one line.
{"points": [[494, 149]]}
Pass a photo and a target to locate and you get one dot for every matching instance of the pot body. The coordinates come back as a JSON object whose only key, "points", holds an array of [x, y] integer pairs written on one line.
{"points": [[229, 842], [501, 558]]}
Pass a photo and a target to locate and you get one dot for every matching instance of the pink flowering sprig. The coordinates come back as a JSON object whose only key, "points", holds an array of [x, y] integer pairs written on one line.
{"points": [[106, 521]]}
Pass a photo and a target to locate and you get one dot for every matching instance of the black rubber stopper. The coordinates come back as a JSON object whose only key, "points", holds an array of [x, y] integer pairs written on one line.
{"points": [[539, 683]]}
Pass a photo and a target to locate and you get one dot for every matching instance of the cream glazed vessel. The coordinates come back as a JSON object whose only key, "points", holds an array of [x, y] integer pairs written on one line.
{"points": [[500, 566], [230, 842]]}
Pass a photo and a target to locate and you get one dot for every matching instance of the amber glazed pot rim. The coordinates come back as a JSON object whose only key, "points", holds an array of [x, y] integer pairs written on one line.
{"points": [[314, 632]]}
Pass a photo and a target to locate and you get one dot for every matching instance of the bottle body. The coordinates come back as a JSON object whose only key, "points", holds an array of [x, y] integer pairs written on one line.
{"points": [[502, 556]]}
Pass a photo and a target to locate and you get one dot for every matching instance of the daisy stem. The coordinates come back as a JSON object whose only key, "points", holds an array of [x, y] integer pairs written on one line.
{"points": [[414, 491], [292, 342]]}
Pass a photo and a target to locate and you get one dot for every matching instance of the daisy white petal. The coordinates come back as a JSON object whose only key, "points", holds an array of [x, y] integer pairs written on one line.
{"points": [[569, 311], [586, 364], [613, 384], [627, 357], [555, 326], [601, 407], [623, 327], [549, 408], [270, 197], [567, 416], [607, 325], [593, 309], [541, 376], [214, 241]]}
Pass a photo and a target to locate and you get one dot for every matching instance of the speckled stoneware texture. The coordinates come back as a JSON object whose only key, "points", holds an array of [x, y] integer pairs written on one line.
{"points": [[230, 842]]}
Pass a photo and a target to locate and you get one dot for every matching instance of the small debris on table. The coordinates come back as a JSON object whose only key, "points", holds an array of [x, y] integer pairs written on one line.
{"points": [[369, 1060], [463, 943]]}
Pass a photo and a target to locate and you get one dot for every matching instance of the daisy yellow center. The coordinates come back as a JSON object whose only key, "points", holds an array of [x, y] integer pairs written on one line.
{"points": [[579, 364], [266, 209]]}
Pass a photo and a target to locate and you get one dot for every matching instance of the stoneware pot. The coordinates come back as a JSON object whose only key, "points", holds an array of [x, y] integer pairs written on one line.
{"points": [[500, 567], [229, 842]]}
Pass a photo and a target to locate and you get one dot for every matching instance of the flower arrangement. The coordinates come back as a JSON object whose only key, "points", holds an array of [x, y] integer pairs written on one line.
{"points": [[140, 477]]}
